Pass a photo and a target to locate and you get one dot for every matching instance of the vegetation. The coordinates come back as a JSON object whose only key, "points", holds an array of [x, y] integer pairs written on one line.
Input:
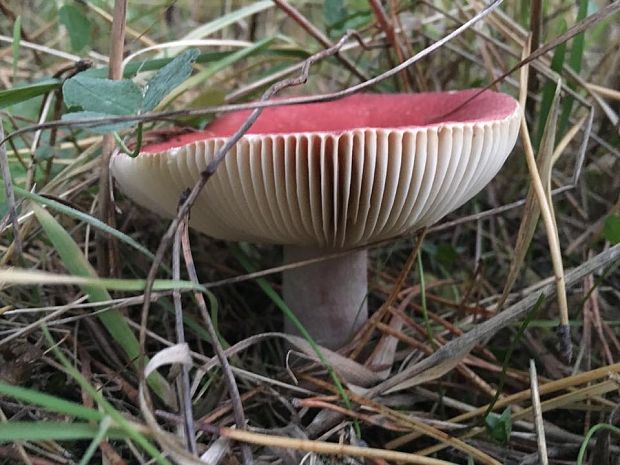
{"points": [[460, 362]]}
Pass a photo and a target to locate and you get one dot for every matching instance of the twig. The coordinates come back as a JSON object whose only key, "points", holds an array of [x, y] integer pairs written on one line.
{"points": [[538, 419], [10, 195], [183, 383], [592, 292], [231, 384], [106, 257], [311, 29], [388, 28], [320, 447]]}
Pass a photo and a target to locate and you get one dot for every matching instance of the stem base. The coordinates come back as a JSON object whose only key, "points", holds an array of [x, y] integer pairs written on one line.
{"points": [[328, 297]]}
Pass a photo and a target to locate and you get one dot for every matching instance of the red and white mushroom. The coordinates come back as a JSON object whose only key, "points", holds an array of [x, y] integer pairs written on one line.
{"points": [[322, 177]]}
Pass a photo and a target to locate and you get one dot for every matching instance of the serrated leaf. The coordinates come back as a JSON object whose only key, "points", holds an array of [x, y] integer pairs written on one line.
{"points": [[105, 96], [102, 128], [78, 26], [168, 77], [15, 95], [611, 229]]}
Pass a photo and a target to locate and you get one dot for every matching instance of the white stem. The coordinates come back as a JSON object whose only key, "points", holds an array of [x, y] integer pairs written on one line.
{"points": [[328, 297]]}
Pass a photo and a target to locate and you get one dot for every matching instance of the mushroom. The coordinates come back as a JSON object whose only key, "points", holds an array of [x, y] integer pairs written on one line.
{"points": [[326, 177]]}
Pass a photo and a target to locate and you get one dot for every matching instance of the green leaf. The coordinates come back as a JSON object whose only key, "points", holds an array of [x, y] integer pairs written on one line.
{"points": [[169, 77], [341, 16], [15, 95], [112, 319], [51, 430], [105, 96], [499, 427], [44, 152], [78, 26], [210, 97], [17, 35], [215, 67], [334, 11], [51, 403], [611, 229], [102, 128]]}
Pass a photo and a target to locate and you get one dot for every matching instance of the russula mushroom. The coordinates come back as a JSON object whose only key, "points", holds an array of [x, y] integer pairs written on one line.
{"points": [[324, 177]]}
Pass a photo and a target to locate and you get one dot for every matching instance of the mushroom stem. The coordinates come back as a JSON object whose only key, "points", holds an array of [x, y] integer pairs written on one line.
{"points": [[328, 297]]}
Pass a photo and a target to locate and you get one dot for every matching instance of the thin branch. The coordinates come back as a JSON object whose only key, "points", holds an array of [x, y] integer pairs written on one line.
{"points": [[107, 256], [183, 382], [388, 28], [231, 384]]}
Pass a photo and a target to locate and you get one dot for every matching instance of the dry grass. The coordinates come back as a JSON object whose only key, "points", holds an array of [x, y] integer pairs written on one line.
{"points": [[435, 362]]}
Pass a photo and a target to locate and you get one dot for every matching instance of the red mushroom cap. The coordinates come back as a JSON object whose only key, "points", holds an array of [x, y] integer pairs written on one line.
{"points": [[332, 174], [359, 111]]}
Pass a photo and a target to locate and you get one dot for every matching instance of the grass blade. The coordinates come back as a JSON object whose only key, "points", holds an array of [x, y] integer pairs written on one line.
{"points": [[35, 277], [113, 320], [128, 429], [226, 20], [15, 95], [51, 430], [51, 403]]}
